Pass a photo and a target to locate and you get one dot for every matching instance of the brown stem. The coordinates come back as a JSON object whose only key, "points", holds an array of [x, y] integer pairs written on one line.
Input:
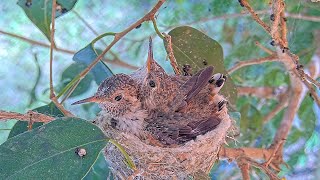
{"points": [[303, 17], [116, 60], [270, 52], [270, 174], [170, 53], [245, 169], [255, 16], [118, 36], [35, 116], [282, 104], [252, 62], [235, 153], [36, 42], [260, 92], [53, 15]]}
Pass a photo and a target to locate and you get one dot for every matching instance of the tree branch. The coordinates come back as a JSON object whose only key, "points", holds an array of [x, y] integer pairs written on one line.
{"points": [[244, 168], [261, 92], [116, 60], [119, 35], [29, 116], [52, 94], [303, 17], [252, 62], [235, 153]]}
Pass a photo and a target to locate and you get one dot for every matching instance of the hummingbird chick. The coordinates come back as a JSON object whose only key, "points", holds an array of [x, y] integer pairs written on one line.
{"points": [[118, 97], [166, 93], [177, 128]]}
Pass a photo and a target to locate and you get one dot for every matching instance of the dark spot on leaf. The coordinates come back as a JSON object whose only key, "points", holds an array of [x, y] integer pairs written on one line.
{"points": [[138, 26], [272, 17], [205, 62], [187, 70], [209, 9]]}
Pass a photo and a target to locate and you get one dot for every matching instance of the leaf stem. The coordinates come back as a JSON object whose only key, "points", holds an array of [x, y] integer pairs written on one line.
{"points": [[129, 161], [156, 28]]}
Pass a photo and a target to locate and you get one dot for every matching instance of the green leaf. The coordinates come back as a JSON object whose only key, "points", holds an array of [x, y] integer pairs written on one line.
{"points": [[48, 152], [39, 12], [72, 71], [192, 47], [86, 56], [22, 126], [99, 170]]}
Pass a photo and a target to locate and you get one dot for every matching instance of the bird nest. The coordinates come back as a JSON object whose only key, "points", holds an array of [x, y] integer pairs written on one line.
{"points": [[191, 160]]}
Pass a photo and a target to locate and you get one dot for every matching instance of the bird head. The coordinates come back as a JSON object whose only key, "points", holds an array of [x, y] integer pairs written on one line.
{"points": [[116, 95]]}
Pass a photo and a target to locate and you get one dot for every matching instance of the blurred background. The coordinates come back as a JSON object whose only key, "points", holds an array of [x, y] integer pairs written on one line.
{"points": [[24, 70]]}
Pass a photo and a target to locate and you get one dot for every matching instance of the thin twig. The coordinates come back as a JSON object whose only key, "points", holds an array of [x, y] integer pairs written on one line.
{"points": [[270, 52], [283, 21], [275, 151], [260, 92], [303, 17], [252, 62], [36, 117], [255, 16], [170, 53], [270, 174], [52, 94], [119, 35], [282, 104], [36, 42], [53, 15], [245, 169], [116, 60], [313, 81]]}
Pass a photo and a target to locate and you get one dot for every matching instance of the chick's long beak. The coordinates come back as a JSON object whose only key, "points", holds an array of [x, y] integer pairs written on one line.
{"points": [[89, 99], [150, 56]]}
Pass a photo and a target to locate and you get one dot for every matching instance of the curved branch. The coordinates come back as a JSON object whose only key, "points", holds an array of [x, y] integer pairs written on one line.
{"points": [[252, 62]]}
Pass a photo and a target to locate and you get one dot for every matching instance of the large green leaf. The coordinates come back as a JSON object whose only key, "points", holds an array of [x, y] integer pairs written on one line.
{"points": [[48, 152], [193, 47], [22, 126], [39, 12]]}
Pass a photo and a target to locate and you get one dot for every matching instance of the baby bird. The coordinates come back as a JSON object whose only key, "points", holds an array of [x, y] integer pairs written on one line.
{"points": [[167, 93], [177, 128], [119, 97]]}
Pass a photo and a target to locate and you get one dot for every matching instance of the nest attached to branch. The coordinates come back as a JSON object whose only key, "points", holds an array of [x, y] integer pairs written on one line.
{"points": [[191, 160]]}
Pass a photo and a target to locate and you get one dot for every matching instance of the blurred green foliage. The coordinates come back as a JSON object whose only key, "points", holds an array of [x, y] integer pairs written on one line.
{"points": [[21, 84]]}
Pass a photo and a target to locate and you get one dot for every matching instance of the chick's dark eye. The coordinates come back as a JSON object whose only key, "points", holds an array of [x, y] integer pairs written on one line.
{"points": [[152, 84], [118, 98]]}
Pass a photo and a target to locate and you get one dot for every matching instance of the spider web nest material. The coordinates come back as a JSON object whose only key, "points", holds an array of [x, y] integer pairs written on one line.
{"points": [[152, 162]]}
